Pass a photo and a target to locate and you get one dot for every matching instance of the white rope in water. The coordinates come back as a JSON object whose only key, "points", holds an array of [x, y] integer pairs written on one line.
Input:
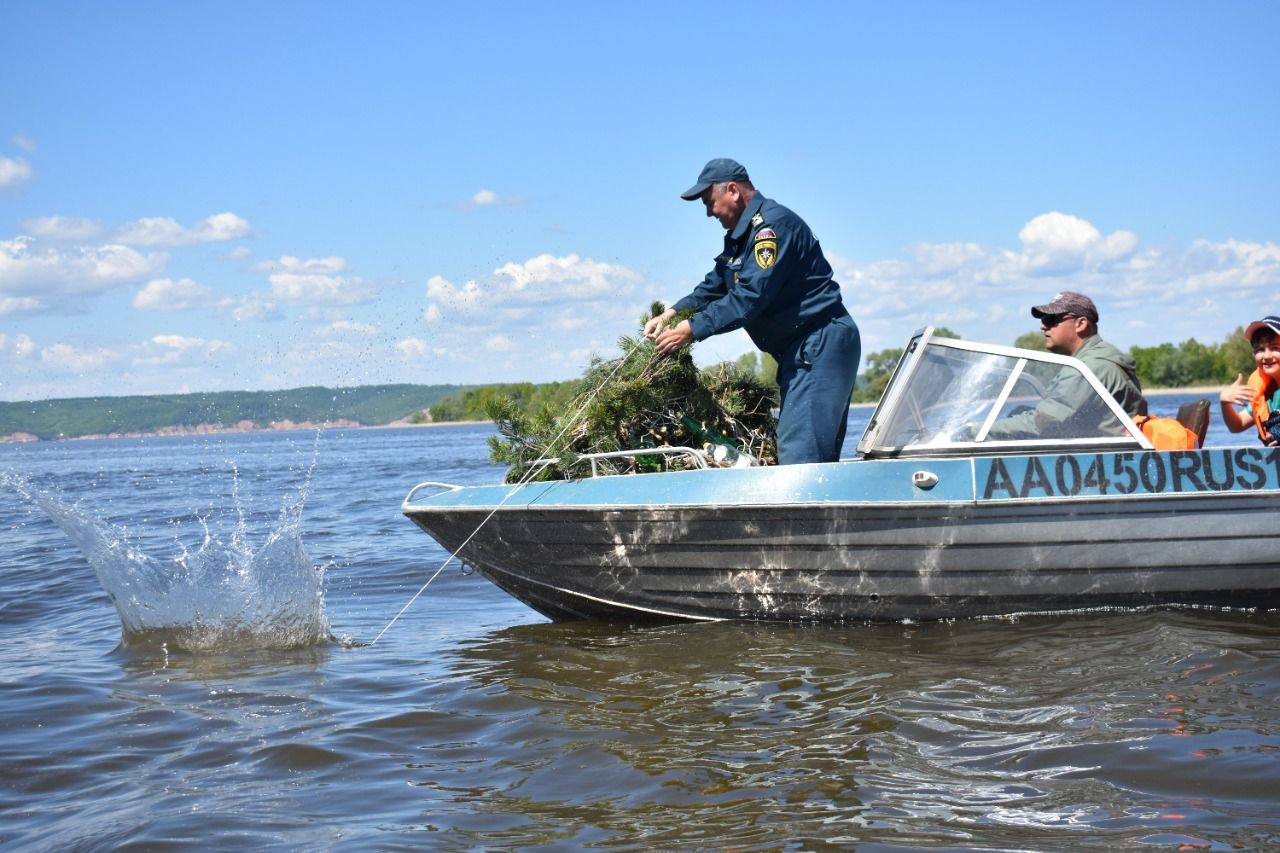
{"points": [[527, 478]]}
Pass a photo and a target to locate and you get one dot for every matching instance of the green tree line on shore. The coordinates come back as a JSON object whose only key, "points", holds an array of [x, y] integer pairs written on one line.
{"points": [[1167, 365], [1183, 365], [368, 405], [472, 404]]}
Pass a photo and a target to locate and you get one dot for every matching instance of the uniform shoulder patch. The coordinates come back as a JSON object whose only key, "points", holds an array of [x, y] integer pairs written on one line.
{"points": [[766, 234], [766, 252]]}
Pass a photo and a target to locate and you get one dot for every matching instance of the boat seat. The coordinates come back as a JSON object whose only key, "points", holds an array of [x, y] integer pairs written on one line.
{"points": [[1195, 417]]}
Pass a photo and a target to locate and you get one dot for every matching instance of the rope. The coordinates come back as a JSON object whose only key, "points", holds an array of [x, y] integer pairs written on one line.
{"points": [[527, 478]]}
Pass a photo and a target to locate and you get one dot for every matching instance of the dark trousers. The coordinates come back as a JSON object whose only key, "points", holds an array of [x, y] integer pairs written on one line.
{"points": [[816, 377]]}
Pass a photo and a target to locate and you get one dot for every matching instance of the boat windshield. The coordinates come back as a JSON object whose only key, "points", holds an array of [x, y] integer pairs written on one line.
{"points": [[952, 395]]}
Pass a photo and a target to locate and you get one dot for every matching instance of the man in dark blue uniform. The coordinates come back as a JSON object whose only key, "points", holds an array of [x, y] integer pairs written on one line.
{"points": [[773, 280]]}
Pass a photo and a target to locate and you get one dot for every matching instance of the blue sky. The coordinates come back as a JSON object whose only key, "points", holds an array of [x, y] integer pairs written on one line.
{"points": [[268, 195]]}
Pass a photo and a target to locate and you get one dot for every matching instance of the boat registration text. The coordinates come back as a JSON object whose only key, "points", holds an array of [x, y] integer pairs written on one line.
{"points": [[1132, 473]]}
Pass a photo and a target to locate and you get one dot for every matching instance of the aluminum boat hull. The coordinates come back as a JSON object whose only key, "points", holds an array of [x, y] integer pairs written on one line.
{"points": [[879, 540]]}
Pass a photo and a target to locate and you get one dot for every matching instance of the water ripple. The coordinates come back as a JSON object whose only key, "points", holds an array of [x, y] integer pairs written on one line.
{"points": [[475, 725]]}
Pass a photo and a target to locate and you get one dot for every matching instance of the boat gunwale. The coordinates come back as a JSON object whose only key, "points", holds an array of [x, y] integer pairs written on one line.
{"points": [[412, 509]]}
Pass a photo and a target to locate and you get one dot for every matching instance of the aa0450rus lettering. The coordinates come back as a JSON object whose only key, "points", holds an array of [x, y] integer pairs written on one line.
{"points": [[1130, 473]]}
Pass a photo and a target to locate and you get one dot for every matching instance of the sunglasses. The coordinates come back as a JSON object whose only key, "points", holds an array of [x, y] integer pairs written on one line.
{"points": [[1051, 320]]}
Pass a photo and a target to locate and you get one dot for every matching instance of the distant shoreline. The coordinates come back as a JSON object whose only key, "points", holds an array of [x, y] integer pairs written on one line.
{"points": [[289, 426], [218, 429], [1197, 389]]}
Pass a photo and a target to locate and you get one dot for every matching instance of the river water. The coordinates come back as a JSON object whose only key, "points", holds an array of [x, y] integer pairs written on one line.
{"points": [[186, 662]]}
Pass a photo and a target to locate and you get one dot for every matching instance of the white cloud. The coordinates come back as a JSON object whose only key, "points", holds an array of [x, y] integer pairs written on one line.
{"points": [[148, 231], [254, 306], [943, 258], [75, 360], [1231, 264], [57, 264], [219, 227], [498, 343], [511, 313], [14, 171], [153, 231], [571, 322], [548, 278], [541, 283], [973, 287], [316, 281], [164, 231], [20, 345], [13, 305], [176, 350], [165, 294], [178, 342], [1054, 243], [524, 316], [441, 290], [412, 347], [541, 317], [26, 143], [1058, 232], [489, 198], [63, 229], [345, 329], [59, 278]]}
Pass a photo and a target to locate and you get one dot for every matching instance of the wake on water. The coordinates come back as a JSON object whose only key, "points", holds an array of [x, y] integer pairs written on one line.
{"points": [[225, 596]]}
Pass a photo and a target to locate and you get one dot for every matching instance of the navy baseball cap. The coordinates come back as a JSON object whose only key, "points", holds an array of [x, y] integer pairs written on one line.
{"points": [[716, 171], [1271, 322]]}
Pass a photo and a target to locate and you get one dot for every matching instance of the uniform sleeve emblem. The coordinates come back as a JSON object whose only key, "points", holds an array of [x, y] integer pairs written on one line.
{"points": [[766, 234], [766, 252]]}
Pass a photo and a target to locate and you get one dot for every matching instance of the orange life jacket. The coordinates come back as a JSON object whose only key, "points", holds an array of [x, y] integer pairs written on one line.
{"points": [[1167, 433], [1262, 387]]}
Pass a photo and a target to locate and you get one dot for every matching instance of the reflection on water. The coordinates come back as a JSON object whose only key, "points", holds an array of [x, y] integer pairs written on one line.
{"points": [[473, 725], [224, 595], [932, 735]]}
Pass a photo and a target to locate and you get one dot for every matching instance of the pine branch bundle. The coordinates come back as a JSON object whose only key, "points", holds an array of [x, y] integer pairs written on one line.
{"points": [[641, 399]]}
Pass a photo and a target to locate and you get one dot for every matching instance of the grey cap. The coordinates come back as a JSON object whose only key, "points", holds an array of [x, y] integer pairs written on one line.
{"points": [[716, 171], [1067, 302]]}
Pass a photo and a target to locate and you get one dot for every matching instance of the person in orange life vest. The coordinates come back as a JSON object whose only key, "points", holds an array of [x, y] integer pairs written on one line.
{"points": [[1259, 396]]}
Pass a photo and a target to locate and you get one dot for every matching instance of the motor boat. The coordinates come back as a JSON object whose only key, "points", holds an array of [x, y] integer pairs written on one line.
{"points": [[969, 496]]}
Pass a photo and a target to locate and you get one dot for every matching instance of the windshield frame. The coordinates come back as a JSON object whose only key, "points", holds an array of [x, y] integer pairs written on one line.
{"points": [[874, 441]]}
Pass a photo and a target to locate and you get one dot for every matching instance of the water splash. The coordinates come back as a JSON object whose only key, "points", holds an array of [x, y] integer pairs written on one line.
{"points": [[226, 595]]}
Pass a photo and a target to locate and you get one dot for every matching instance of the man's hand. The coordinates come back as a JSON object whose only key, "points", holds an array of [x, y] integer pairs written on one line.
{"points": [[654, 326], [671, 340]]}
